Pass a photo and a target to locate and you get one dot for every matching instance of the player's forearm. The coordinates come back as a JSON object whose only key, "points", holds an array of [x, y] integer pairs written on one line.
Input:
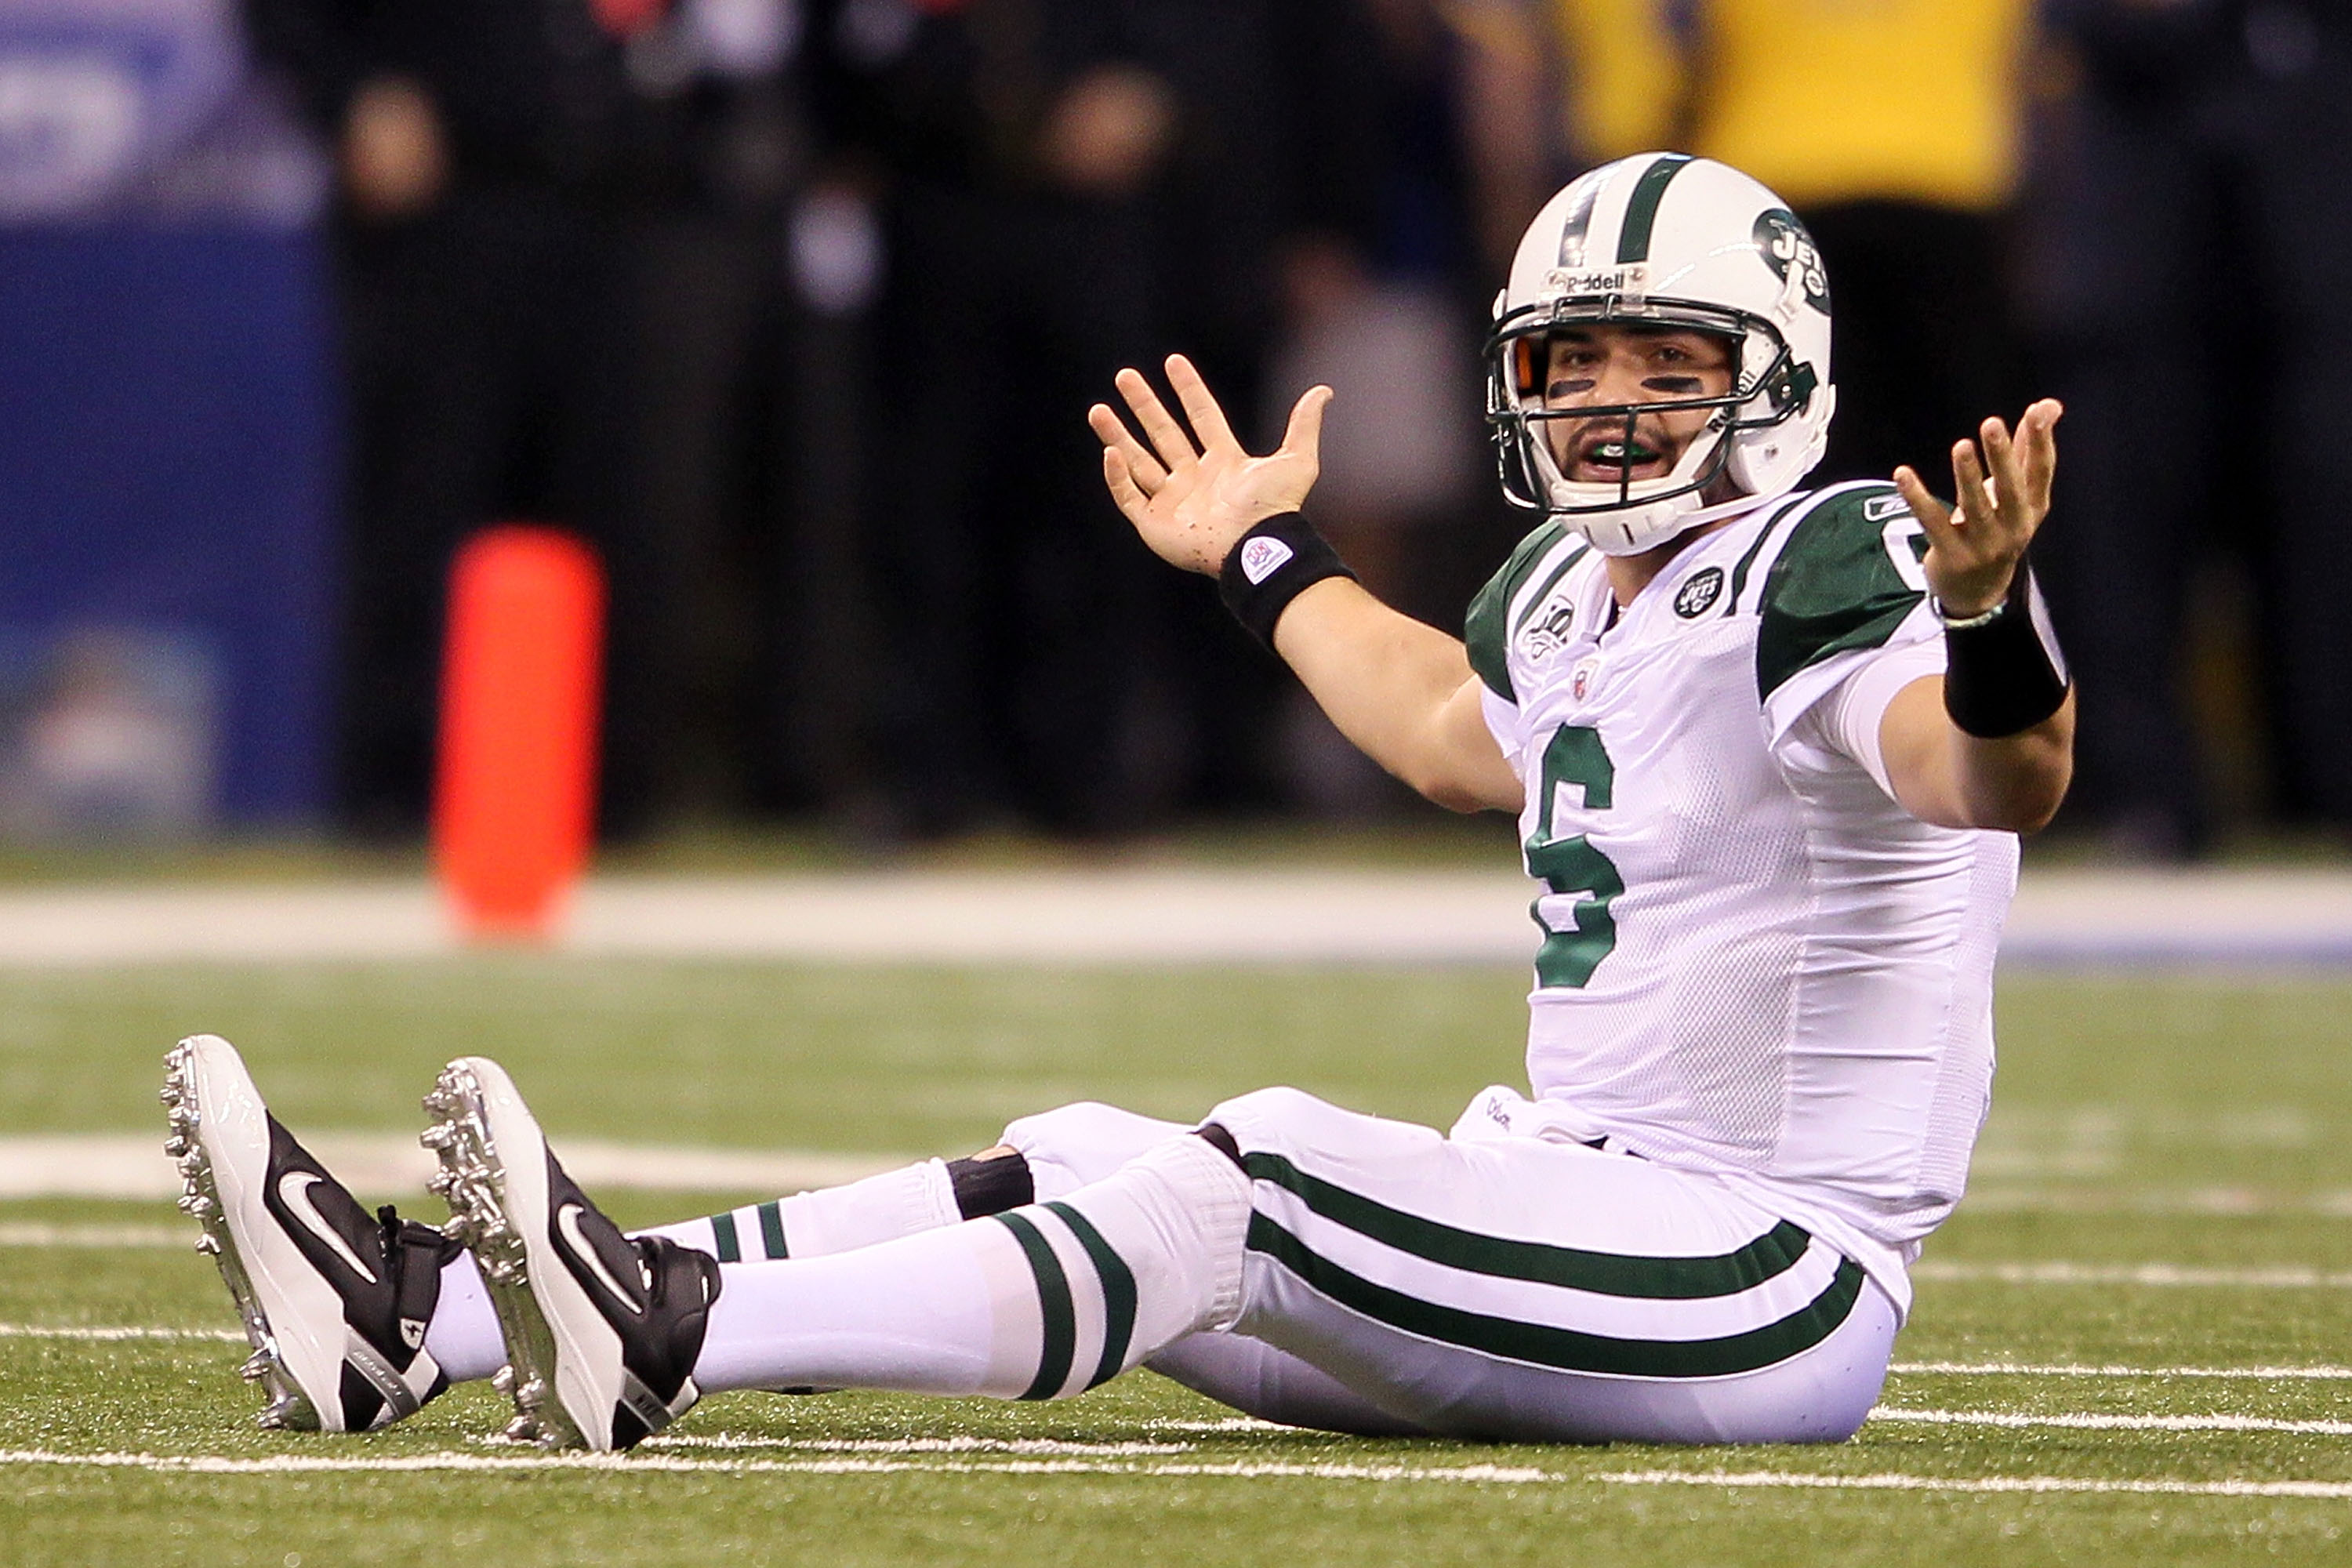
{"points": [[1946, 776], [2017, 781], [1385, 680]]}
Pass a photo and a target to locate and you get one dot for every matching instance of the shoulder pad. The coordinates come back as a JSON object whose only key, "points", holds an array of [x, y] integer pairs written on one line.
{"points": [[1848, 576], [1486, 629]]}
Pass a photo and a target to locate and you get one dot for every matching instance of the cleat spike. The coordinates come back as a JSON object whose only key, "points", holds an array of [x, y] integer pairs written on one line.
{"points": [[209, 1245], [503, 1380], [176, 1146], [257, 1366], [521, 1429]]}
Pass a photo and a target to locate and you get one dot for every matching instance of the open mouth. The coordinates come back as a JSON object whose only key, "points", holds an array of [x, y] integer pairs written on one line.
{"points": [[1613, 458]]}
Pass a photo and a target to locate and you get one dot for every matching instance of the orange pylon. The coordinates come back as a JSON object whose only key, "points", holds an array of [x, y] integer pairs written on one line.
{"points": [[515, 792]]}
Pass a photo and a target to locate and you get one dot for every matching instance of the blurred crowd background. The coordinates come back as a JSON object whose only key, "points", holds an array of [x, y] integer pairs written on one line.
{"points": [[793, 308]]}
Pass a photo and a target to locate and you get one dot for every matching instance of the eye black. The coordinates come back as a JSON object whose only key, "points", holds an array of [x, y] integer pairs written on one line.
{"points": [[1679, 383]]}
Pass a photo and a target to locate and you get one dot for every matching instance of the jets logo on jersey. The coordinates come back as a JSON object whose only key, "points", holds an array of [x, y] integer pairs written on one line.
{"points": [[1546, 629], [1698, 595], [1260, 558], [1788, 251]]}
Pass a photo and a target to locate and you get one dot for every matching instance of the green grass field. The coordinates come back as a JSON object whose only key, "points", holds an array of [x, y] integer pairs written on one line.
{"points": [[2165, 1192]]}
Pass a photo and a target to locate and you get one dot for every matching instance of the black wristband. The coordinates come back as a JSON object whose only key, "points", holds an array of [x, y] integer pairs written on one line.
{"points": [[2002, 671], [1272, 564]]}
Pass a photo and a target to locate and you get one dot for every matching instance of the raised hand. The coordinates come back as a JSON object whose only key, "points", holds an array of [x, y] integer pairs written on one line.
{"points": [[1973, 550], [1189, 499]]}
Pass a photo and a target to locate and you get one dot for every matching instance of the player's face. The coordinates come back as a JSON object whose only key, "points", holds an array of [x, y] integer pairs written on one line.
{"points": [[1608, 365]]}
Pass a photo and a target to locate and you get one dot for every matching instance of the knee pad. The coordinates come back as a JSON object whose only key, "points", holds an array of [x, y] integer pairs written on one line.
{"points": [[1075, 1144]]}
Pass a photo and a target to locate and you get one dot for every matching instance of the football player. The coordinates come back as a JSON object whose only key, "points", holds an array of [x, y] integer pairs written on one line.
{"points": [[1769, 750]]}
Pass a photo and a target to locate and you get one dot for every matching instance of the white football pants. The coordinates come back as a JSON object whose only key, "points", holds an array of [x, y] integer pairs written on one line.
{"points": [[1395, 1279]]}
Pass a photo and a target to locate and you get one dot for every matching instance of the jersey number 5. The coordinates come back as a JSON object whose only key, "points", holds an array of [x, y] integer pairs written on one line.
{"points": [[1569, 957]]}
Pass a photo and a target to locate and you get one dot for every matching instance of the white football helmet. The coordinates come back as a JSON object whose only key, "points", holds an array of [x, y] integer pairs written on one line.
{"points": [[1665, 239]]}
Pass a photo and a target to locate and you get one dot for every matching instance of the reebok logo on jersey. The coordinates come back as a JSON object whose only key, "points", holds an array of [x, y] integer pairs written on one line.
{"points": [[1698, 595], [1261, 557], [1878, 509]]}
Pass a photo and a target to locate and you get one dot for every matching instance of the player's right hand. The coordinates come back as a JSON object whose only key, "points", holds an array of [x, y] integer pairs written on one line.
{"points": [[1192, 501]]}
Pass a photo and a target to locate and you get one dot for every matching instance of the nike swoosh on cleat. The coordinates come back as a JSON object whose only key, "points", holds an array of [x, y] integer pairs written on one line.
{"points": [[567, 1221], [294, 1191]]}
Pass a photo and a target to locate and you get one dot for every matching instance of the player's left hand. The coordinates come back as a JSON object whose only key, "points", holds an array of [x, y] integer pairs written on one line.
{"points": [[1973, 549], [1191, 503]]}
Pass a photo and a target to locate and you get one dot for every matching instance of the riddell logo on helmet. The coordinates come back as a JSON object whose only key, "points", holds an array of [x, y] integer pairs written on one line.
{"points": [[1633, 281]]}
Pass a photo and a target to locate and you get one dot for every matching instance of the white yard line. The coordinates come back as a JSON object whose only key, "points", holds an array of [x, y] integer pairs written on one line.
{"points": [[1106, 913], [203, 1464], [133, 1166], [738, 1443], [1741, 1478], [84, 1331], [1481, 1475], [2019, 1421], [2155, 1275], [103, 1237], [2020, 1369]]}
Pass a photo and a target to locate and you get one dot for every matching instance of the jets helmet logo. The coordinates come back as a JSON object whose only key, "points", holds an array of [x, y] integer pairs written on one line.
{"points": [[1790, 252]]}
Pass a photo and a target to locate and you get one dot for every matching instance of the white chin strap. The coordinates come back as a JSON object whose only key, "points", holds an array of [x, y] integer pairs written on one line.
{"points": [[1641, 524]]}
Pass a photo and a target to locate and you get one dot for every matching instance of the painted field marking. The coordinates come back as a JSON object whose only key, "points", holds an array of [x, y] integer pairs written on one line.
{"points": [[734, 1442], [80, 1332], [1974, 1484], [2084, 1423], [1478, 1475], [2021, 1369], [205, 1464], [103, 1237], [2159, 1275]]}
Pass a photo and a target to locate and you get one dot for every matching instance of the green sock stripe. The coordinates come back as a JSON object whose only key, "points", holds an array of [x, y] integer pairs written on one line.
{"points": [[1641, 209], [1567, 1350], [1117, 1288], [1604, 1273], [1058, 1322], [772, 1228], [722, 1232]]}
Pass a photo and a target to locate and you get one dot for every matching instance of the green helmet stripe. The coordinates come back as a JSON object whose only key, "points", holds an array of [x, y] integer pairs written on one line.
{"points": [[1642, 212]]}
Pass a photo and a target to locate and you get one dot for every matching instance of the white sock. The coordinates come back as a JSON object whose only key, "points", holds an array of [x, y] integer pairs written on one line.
{"points": [[464, 1336], [904, 1202], [1036, 1303]]}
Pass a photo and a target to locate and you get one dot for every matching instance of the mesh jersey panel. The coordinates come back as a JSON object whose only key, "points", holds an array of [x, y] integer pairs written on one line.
{"points": [[1793, 986]]}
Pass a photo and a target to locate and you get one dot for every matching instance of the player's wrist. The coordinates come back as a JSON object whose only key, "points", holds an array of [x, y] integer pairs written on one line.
{"points": [[1279, 558], [2003, 672]]}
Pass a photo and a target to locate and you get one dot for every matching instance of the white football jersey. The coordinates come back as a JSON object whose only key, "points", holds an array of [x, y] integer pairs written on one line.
{"points": [[1753, 960]]}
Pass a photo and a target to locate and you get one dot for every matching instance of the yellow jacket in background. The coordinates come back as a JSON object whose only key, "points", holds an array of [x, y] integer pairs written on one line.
{"points": [[1825, 100]]}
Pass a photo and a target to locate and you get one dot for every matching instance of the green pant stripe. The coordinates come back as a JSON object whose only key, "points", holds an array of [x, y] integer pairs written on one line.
{"points": [[1117, 1288], [1603, 1273], [1059, 1324], [722, 1232], [1566, 1349], [772, 1228], [1641, 209]]}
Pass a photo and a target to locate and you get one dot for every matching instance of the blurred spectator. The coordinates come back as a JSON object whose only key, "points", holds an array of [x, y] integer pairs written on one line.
{"points": [[1412, 218], [2192, 288], [1893, 129], [534, 201], [1079, 185]]}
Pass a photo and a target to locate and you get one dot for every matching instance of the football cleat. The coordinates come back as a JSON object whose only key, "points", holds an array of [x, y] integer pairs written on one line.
{"points": [[601, 1330], [335, 1300]]}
